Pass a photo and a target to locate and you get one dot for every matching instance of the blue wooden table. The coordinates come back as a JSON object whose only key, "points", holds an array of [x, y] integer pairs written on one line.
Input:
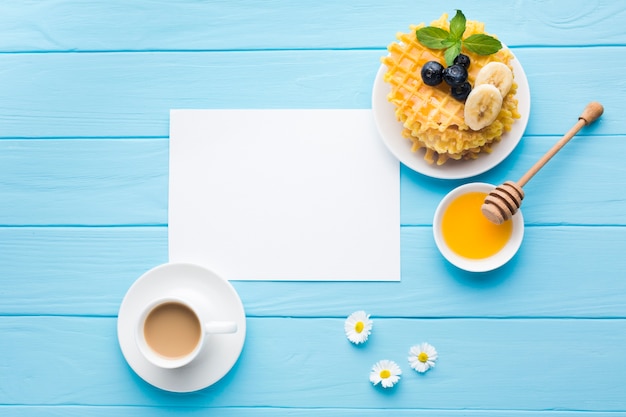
{"points": [[85, 93]]}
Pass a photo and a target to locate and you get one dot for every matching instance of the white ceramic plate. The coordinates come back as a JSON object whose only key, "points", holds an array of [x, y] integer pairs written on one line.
{"points": [[216, 295], [391, 132], [477, 265]]}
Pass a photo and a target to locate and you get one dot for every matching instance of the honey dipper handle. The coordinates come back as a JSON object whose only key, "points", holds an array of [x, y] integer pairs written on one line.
{"points": [[591, 113]]}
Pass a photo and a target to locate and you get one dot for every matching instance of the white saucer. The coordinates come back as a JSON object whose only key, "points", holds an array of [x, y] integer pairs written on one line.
{"points": [[223, 303], [390, 130]]}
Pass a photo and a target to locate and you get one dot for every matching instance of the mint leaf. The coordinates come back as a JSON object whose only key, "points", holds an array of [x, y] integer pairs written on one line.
{"points": [[452, 52], [457, 25], [436, 38], [448, 43], [432, 37], [482, 44]]}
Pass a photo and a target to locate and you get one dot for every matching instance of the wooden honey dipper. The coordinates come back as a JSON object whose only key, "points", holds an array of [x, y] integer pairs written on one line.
{"points": [[504, 201]]}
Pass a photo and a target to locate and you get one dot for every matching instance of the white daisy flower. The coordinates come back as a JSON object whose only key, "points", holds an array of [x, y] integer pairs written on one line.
{"points": [[422, 357], [385, 372], [358, 327]]}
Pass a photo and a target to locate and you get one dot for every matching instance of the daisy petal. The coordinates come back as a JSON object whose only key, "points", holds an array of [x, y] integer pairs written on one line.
{"points": [[385, 372], [358, 327], [422, 357]]}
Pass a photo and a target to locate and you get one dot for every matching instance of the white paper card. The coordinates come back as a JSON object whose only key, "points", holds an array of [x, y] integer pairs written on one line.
{"points": [[303, 195]]}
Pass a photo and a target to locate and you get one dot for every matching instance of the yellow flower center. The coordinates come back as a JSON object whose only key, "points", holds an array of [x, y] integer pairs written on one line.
{"points": [[384, 374], [359, 326], [422, 357]]}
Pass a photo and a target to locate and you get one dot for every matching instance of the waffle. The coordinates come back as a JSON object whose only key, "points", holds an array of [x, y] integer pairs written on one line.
{"points": [[431, 117]]}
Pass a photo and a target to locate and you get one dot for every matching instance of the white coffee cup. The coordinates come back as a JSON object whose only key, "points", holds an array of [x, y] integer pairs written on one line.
{"points": [[171, 331]]}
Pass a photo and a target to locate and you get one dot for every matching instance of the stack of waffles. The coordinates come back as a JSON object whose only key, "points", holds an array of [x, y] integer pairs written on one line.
{"points": [[431, 117]]}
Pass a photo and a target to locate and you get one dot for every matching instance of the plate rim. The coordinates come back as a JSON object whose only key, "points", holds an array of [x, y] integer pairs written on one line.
{"points": [[400, 147]]}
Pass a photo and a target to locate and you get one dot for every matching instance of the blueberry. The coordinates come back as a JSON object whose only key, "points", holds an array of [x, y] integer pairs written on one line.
{"points": [[432, 73], [455, 75], [461, 92], [463, 60]]}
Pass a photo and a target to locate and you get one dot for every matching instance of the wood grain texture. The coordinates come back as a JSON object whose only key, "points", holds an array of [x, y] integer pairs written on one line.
{"points": [[86, 271], [85, 93], [147, 25], [527, 365], [83, 182], [112, 182], [130, 94], [127, 411]]}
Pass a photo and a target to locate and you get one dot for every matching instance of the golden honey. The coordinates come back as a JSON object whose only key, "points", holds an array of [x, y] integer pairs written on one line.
{"points": [[468, 233]]}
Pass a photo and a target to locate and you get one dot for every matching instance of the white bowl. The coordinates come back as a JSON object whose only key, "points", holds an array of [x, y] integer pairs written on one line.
{"points": [[476, 265]]}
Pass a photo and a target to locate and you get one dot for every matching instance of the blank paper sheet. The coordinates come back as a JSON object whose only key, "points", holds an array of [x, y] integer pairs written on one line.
{"points": [[283, 195]]}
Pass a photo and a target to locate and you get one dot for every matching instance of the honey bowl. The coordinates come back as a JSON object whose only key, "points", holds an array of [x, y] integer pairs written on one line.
{"points": [[466, 238]]}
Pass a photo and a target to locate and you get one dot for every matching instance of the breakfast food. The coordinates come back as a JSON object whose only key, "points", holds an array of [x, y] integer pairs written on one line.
{"points": [[453, 88]]}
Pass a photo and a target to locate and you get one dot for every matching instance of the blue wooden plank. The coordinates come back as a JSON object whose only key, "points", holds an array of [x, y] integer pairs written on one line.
{"points": [[536, 356], [526, 365], [583, 278], [130, 94], [84, 182], [126, 411], [543, 335], [586, 174], [86, 271], [74, 25], [125, 182]]}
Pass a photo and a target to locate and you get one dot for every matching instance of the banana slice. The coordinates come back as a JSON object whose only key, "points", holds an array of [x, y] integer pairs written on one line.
{"points": [[482, 106], [497, 74]]}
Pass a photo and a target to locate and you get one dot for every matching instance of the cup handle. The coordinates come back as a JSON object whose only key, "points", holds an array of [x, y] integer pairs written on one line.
{"points": [[220, 327]]}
